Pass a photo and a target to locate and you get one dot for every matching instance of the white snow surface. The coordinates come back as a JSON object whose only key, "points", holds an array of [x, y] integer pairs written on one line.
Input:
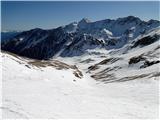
{"points": [[45, 92]]}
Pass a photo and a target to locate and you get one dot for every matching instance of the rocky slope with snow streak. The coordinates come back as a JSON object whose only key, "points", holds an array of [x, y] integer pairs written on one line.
{"points": [[76, 38]]}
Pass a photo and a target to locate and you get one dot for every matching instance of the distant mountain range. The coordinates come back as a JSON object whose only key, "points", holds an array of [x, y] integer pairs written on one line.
{"points": [[77, 38], [6, 35]]}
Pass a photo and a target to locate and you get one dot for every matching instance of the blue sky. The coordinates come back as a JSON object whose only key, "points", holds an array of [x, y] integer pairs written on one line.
{"points": [[27, 15]]}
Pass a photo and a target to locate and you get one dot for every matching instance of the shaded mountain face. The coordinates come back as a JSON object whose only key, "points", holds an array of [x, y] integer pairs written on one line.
{"points": [[37, 43], [76, 38]]}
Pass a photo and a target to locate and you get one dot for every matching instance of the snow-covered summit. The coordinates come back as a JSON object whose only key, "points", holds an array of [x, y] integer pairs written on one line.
{"points": [[84, 20], [82, 24], [77, 37]]}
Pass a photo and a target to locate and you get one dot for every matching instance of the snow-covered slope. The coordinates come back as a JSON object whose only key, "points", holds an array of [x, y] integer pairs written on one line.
{"points": [[139, 59], [51, 89], [76, 38], [89, 71]]}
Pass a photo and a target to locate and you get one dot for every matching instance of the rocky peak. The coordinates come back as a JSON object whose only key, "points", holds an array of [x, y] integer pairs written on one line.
{"points": [[129, 19], [85, 20], [83, 23]]}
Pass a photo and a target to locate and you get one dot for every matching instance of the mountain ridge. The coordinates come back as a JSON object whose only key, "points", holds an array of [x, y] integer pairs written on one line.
{"points": [[77, 37]]}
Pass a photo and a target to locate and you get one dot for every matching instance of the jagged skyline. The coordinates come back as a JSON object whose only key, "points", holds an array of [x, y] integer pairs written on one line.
{"points": [[27, 15]]}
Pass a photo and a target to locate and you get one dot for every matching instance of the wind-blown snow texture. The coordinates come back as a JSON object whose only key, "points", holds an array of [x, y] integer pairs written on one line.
{"points": [[85, 76]]}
